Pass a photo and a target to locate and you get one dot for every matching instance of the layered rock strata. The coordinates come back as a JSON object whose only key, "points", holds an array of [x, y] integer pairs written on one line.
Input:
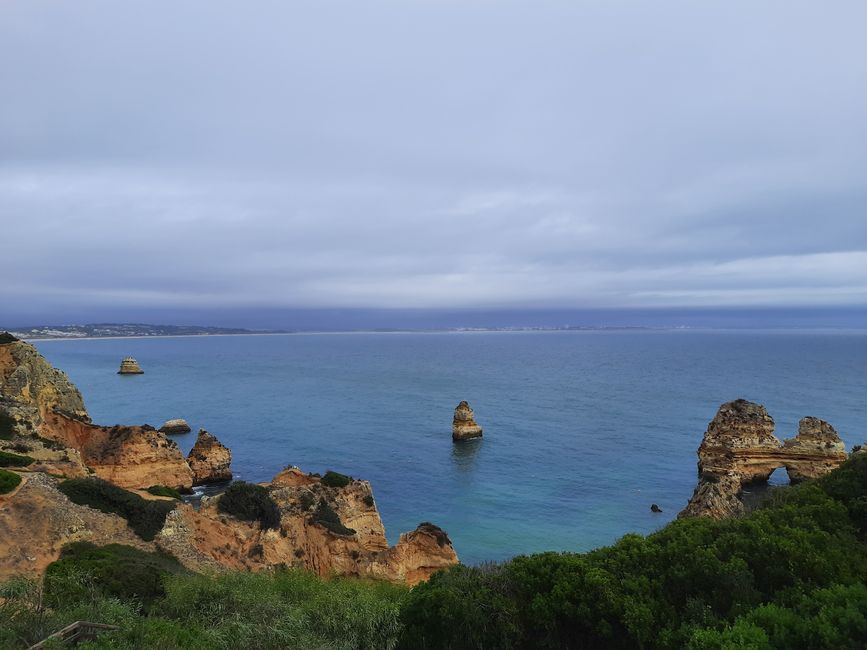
{"points": [[171, 427], [209, 460], [739, 448], [211, 540], [129, 366], [464, 425]]}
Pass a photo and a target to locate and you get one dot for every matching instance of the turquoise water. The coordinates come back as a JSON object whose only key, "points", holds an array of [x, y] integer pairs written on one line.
{"points": [[583, 430]]}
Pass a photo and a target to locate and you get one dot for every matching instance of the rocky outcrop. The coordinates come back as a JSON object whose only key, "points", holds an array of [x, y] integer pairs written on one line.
{"points": [[464, 426], [129, 456], [171, 427], [37, 520], [739, 447], [211, 540], [29, 380], [129, 366], [209, 460]]}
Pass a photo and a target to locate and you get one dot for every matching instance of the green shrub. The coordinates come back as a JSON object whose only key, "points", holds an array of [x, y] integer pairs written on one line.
{"points": [[335, 479], [696, 583], [163, 491], [251, 503], [368, 500], [6, 337], [7, 425], [145, 517], [8, 481], [324, 515], [115, 570], [15, 460]]}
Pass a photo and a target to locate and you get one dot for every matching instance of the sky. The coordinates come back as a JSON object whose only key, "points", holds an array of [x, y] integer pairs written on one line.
{"points": [[190, 160]]}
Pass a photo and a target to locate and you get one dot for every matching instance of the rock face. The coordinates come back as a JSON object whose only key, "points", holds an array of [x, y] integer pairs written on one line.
{"points": [[27, 378], [129, 366], [210, 540], [739, 447], [129, 456], [464, 426], [209, 460], [178, 425], [37, 520]]}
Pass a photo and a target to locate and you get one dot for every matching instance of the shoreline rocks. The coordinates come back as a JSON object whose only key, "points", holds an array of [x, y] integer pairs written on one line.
{"points": [[464, 426], [129, 366], [209, 460], [739, 448], [172, 427]]}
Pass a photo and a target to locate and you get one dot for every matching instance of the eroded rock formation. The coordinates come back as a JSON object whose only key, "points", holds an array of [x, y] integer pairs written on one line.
{"points": [[129, 366], [739, 447], [178, 425], [464, 425], [209, 460], [211, 540]]}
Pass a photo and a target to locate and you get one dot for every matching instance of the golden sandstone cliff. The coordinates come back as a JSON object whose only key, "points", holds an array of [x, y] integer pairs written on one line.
{"points": [[739, 448], [464, 425], [328, 528]]}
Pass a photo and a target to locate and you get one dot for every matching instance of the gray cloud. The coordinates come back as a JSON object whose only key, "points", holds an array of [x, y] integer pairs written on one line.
{"points": [[431, 153]]}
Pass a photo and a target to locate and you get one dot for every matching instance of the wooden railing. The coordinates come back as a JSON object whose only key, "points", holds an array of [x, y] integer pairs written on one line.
{"points": [[76, 632]]}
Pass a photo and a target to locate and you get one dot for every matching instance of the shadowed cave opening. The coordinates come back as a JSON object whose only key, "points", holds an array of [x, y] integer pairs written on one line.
{"points": [[755, 494]]}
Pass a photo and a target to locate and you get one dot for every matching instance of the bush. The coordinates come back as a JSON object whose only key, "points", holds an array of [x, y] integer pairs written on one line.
{"points": [[163, 491], [251, 503], [696, 583], [7, 426], [145, 517], [15, 460], [8, 481], [368, 500], [335, 479], [6, 337], [115, 570], [324, 515]]}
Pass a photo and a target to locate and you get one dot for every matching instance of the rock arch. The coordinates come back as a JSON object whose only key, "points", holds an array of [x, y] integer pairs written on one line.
{"points": [[739, 447]]}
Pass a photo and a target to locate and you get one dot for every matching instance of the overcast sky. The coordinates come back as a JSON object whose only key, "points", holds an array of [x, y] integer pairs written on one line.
{"points": [[432, 154]]}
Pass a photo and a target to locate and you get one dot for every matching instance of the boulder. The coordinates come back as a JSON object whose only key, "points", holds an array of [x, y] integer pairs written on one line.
{"points": [[177, 425]]}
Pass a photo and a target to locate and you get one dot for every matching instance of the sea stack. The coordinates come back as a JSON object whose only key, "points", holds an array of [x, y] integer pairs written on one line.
{"points": [[129, 366], [464, 427], [209, 459], [177, 425]]}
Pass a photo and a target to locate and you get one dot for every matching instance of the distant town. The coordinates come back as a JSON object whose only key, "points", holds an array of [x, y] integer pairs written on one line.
{"points": [[115, 330]]}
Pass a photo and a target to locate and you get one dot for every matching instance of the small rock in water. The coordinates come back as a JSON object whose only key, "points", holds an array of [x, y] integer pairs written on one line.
{"points": [[464, 427], [177, 425], [129, 366], [655, 508]]}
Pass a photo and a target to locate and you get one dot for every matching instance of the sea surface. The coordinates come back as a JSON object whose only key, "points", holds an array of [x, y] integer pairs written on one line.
{"points": [[583, 429]]}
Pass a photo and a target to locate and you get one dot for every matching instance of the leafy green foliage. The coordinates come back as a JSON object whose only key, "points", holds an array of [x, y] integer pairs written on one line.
{"points": [[15, 460], [7, 425], [116, 570], [163, 491], [335, 479], [324, 515], [250, 502], [145, 517], [696, 583], [6, 337], [8, 481]]}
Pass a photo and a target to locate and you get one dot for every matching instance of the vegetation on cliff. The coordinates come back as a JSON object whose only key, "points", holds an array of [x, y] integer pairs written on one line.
{"points": [[145, 517], [8, 459], [336, 479], [163, 491], [790, 575], [250, 502], [8, 481]]}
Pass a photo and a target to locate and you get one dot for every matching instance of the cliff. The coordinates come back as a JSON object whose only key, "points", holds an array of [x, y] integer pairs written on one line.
{"points": [[739, 448], [209, 460], [211, 540], [464, 426]]}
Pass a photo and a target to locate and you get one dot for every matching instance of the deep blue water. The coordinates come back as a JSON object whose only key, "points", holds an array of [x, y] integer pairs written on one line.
{"points": [[583, 430]]}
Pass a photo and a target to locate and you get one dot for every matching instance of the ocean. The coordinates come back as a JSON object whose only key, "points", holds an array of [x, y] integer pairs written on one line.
{"points": [[583, 430]]}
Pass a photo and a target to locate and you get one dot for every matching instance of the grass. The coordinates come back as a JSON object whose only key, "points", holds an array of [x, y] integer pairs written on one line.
{"points": [[8, 481], [163, 491], [15, 460], [145, 517]]}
